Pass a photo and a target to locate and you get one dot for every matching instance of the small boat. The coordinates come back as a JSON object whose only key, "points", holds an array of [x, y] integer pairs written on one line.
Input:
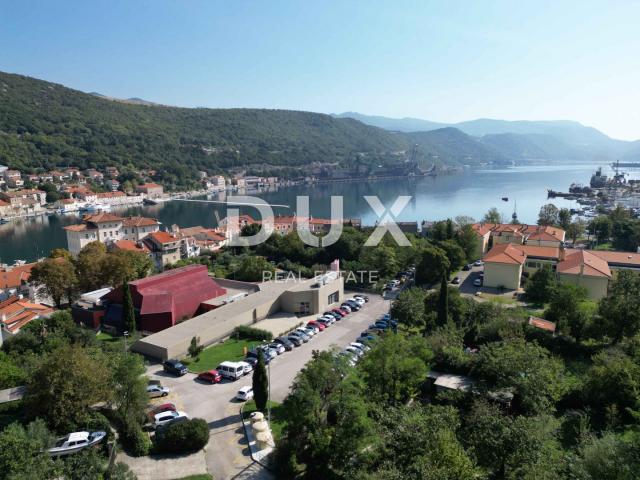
{"points": [[76, 441], [505, 199], [96, 207], [3, 221]]}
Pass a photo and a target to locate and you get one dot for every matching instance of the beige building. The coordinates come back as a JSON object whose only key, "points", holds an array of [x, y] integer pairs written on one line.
{"points": [[151, 190], [585, 269], [137, 228], [503, 267], [164, 248], [101, 227], [491, 234], [255, 303]]}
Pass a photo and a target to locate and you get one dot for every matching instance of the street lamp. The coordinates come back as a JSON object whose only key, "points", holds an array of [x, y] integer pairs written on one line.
{"points": [[125, 334]]}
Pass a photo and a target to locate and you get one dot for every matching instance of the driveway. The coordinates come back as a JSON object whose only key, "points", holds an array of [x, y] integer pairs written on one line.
{"points": [[227, 454]]}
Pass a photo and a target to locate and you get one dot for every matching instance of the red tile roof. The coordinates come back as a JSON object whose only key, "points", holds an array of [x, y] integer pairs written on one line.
{"points": [[16, 313], [139, 222], [131, 246], [81, 227], [584, 262], [12, 277], [552, 253], [101, 218], [542, 324], [163, 237], [505, 253], [110, 194], [619, 258]]}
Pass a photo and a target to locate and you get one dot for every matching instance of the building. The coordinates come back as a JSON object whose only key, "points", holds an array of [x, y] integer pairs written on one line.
{"points": [[130, 246], [254, 304], [506, 264], [151, 190], [89, 310], [13, 178], [101, 227], [491, 234], [112, 184], [205, 238], [284, 224], [137, 228], [16, 312], [14, 281], [162, 301], [23, 197], [164, 248]]}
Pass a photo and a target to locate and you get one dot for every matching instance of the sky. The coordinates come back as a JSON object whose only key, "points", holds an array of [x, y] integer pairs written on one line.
{"points": [[443, 61]]}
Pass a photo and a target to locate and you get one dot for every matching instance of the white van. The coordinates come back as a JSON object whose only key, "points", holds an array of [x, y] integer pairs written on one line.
{"points": [[231, 370]]}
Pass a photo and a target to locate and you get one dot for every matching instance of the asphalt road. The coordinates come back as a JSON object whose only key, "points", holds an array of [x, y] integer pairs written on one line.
{"points": [[227, 455]]}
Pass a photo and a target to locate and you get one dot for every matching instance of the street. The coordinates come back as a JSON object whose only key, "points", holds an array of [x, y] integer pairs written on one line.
{"points": [[227, 454]]}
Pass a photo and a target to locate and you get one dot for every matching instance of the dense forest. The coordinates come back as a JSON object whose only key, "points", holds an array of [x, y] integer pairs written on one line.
{"points": [[45, 125]]}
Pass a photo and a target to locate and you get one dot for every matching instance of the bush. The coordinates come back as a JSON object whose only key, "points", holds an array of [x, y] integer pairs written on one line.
{"points": [[183, 437], [250, 333], [137, 442]]}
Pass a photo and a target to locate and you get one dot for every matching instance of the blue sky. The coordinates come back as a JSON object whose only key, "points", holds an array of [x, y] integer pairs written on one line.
{"points": [[442, 61]]}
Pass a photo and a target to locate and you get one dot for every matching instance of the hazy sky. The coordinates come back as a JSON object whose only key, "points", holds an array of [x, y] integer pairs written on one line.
{"points": [[442, 61]]}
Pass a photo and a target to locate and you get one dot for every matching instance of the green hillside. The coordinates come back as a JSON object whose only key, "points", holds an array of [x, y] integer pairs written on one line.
{"points": [[45, 125]]}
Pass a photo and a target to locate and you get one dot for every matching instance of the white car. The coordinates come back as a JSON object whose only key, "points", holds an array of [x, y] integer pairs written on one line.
{"points": [[351, 358], [355, 351], [477, 282], [307, 331], [244, 394], [278, 347], [246, 367], [358, 300], [329, 318], [155, 391], [360, 346], [166, 417], [478, 263], [315, 329]]}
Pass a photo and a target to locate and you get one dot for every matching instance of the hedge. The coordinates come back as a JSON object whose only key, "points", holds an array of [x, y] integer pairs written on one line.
{"points": [[183, 437], [250, 333]]}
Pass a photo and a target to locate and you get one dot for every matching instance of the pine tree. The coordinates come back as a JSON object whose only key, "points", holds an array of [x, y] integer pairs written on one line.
{"points": [[128, 312], [443, 301], [260, 384]]}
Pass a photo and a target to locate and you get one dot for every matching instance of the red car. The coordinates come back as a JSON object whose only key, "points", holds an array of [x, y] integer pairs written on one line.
{"points": [[165, 407], [211, 376], [317, 325], [340, 312], [344, 311]]}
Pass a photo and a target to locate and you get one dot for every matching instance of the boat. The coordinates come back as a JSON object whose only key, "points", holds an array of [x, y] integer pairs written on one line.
{"points": [[505, 199], [3, 221], [76, 441], [96, 207]]}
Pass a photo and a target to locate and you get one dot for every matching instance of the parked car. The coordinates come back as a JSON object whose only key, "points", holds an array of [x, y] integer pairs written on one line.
{"points": [[364, 297], [315, 329], [175, 367], [164, 407], [356, 351], [354, 305], [358, 300], [244, 394], [467, 267], [330, 318], [344, 311], [478, 263], [346, 307], [247, 367], [456, 280], [365, 338], [265, 355], [155, 391], [231, 370], [309, 331], [166, 417], [477, 282], [285, 342], [314, 323], [271, 353], [386, 316], [300, 336], [350, 357], [210, 376], [324, 321], [278, 347], [335, 315], [295, 340], [339, 312], [361, 346], [381, 325]]}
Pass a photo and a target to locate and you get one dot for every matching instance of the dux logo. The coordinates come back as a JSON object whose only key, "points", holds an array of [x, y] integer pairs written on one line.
{"points": [[385, 222]]}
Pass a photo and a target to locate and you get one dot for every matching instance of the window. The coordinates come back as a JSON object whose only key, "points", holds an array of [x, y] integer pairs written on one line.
{"points": [[333, 298]]}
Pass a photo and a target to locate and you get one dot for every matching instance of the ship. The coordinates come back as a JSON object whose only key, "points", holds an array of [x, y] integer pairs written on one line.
{"points": [[598, 180]]}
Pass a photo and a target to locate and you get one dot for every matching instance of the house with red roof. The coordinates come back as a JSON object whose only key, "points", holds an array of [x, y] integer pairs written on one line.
{"points": [[14, 280], [540, 235], [136, 228], [151, 190], [166, 299], [164, 248], [16, 312]]}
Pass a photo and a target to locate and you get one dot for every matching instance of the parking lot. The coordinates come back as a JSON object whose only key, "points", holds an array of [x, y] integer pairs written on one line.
{"points": [[227, 454]]}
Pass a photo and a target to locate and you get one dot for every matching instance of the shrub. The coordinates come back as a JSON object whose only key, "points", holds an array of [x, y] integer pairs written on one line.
{"points": [[183, 437], [137, 442], [250, 333]]}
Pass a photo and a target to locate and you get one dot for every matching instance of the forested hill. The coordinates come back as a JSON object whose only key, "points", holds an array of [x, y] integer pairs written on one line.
{"points": [[45, 125]]}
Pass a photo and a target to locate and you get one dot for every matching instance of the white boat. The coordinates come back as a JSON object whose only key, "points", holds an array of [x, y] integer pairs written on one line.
{"points": [[97, 207], [76, 441]]}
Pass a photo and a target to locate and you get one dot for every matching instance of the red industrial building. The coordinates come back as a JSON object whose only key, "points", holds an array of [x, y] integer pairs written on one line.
{"points": [[165, 299]]}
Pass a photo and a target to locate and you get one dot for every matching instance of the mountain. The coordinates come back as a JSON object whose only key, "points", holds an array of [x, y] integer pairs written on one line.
{"points": [[569, 137], [395, 124], [450, 145], [44, 125]]}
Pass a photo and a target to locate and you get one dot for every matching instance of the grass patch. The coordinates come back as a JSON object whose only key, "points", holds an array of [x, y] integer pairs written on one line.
{"points": [[107, 337], [230, 350], [277, 424]]}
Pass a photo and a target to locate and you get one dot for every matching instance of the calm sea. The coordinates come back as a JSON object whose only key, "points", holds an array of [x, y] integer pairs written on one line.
{"points": [[470, 193]]}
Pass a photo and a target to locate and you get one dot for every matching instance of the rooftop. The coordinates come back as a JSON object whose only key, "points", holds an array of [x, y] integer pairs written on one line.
{"points": [[584, 262], [163, 237], [12, 277], [139, 222], [505, 253], [102, 218]]}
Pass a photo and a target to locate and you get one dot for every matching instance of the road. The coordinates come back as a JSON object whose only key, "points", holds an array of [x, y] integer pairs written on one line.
{"points": [[227, 455]]}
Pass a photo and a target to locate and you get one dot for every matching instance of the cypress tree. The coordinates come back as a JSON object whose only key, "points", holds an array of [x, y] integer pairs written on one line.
{"points": [[260, 384], [443, 301], [128, 312]]}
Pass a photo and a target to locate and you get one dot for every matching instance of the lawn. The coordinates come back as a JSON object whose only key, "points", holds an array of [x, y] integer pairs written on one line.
{"points": [[107, 337], [276, 414], [230, 350]]}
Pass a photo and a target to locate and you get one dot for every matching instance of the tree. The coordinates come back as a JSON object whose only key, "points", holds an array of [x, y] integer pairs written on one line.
{"points": [[10, 374], [564, 218], [89, 265], [609, 457], [55, 278], [443, 303], [575, 230], [260, 383], [464, 220], [620, 310], [548, 215], [469, 241], [195, 348], [541, 285], [565, 308], [408, 307], [75, 380], [601, 228], [254, 269], [184, 437], [128, 311], [433, 263], [381, 258], [129, 387], [492, 216], [534, 376], [23, 456], [455, 254], [457, 304]]}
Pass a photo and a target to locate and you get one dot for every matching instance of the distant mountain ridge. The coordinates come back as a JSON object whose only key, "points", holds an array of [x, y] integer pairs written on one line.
{"points": [[525, 139]]}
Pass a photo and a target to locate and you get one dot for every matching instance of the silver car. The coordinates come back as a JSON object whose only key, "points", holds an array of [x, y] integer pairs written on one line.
{"points": [[155, 391]]}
